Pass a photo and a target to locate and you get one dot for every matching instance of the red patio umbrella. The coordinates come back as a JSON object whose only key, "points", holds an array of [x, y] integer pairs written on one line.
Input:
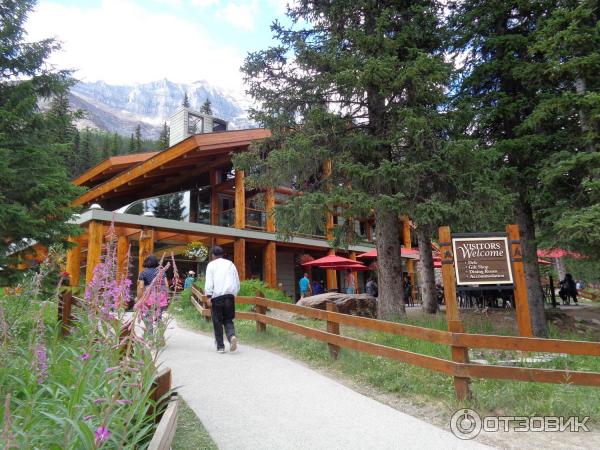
{"points": [[557, 253], [330, 262], [543, 262]]}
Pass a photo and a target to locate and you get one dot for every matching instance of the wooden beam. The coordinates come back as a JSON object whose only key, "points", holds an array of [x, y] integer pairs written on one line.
{"points": [[331, 275], [269, 205], [210, 141], [146, 246], [520, 286], [239, 257], [240, 200], [95, 230], [270, 264], [73, 266], [462, 385], [122, 257]]}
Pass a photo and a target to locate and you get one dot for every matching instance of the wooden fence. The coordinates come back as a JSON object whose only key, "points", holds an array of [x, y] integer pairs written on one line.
{"points": [[459, 367]]}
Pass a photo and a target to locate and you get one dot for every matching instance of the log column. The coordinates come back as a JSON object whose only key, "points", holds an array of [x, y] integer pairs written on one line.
{"points": [[146, 246], [239, 257], [74, 262], [94, 251], [355, 273], [270, 264], [122, 257], [269, 205], [240, 200]]}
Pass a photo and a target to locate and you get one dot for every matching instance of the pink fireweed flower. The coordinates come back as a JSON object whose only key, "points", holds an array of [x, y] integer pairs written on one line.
{"points": [[124, 402], [41, 363], [88, 417], [99, 400], [101, 435], [85, 357]]}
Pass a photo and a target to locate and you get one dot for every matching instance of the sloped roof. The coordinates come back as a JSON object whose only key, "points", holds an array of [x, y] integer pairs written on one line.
{"points": [[110, 167]]}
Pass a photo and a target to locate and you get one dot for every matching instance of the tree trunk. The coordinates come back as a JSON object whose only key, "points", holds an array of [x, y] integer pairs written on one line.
{"points": [[532, 271], [391, 295], [426, 271]]}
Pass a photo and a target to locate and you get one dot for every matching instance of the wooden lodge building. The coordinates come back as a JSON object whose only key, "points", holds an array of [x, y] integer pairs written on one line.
{"points": [[206, 200]]}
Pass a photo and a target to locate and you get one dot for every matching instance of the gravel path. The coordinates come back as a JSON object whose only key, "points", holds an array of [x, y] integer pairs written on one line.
{"points": [[254, 399]]}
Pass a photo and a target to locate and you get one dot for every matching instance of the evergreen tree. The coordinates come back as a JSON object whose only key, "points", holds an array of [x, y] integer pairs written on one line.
{"points": [[138, 138], [132, 144], [169, 206], [35, 191], [186, 101], [76, 167], [116, 144], [206, 107], [567, 46], [163, 139], [106, 146], [86, 156], [497, 98], [364, 89]]}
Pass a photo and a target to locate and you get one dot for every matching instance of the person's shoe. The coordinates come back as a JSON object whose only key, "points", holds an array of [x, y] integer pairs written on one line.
{"points": [[233, 344], [220, 350]]}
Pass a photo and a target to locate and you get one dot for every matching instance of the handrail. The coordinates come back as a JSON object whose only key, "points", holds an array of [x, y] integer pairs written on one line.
{"points": [[452, 339]]}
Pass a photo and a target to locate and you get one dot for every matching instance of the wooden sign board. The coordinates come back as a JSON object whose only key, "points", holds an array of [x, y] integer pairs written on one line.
{"points": [[482, 260]]}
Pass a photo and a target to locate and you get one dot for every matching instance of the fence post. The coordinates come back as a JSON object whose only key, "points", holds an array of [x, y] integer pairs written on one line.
{"points": [[260, 327], [455, 325], [334, 328]]}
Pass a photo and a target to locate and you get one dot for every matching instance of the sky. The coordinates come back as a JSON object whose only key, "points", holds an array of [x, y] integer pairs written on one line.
{"points": [[137, 41]]}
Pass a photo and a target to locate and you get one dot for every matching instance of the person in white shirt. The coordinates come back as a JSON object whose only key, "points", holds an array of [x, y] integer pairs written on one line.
{"points": [[221, 287]]}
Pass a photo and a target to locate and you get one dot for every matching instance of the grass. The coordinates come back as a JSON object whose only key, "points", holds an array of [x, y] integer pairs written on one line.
{"points": [[422, 386], [191, 434]]}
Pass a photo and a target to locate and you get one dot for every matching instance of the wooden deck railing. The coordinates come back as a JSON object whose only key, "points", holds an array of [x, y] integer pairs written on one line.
{"points": [[454, 368]]}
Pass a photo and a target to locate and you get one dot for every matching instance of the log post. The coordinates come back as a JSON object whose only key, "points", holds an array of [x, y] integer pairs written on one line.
{"points": [[269, 205], [146, 246], [260, 327], [239, 257], [94, 248], [73, 266], [270, 264], [521, 302], [354, 272], [122, 257], [332, 283], [455, 325], [410, 264], [334, 328], [65, 307], [240, 200]]}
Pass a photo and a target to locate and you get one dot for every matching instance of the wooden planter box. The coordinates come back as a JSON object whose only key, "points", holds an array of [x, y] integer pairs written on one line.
{"points": [[167, 424]]}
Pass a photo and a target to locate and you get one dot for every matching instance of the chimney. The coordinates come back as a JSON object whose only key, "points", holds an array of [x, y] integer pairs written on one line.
{"points": [[184, 123]]}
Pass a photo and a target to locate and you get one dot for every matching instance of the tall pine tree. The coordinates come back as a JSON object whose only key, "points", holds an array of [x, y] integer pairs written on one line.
{"points": [[163, 139], [361, 85], [138, 138], [35, 190], [206, 107]]}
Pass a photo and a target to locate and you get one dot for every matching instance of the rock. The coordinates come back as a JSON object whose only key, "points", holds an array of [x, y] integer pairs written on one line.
{"points": [[354, 304]]}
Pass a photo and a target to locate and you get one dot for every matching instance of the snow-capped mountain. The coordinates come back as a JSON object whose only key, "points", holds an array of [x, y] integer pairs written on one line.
{"points": [[121, 108]]}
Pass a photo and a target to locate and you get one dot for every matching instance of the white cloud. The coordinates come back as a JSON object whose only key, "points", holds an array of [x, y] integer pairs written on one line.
{"points": [[240, 14], [204, 3], [120, 42]]}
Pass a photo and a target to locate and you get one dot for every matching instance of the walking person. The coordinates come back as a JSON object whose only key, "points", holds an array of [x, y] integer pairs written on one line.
{"points": [[568, 289], [304, 284], [350, 282], [157, 301], [189, 280], [371, 287], [221, 287]]}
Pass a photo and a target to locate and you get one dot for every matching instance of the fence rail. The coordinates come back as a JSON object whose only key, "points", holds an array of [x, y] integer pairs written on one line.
{"points": [[454, 368]]}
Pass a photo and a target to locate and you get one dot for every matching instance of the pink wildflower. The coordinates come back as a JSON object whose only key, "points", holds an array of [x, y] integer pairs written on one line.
{"points": [[85, 356], [102, 434]]}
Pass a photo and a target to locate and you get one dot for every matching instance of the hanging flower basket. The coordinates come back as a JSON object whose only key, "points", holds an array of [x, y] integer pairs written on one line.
{"points": [[304, 258], [196, 250]]}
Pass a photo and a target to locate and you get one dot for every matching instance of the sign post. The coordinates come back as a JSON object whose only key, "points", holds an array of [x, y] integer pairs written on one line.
{"points": [[521, 301], [462, 385]]}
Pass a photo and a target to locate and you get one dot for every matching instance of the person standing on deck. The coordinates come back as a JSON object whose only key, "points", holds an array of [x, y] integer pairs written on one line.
{"points": [[221, 287], [304, 284]]}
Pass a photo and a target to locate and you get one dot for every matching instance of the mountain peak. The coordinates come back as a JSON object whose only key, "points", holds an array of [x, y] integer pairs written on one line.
{"points": [[121, 108]]}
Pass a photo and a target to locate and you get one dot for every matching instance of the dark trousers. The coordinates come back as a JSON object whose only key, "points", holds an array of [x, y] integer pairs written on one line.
{"points": [[223, 313]]}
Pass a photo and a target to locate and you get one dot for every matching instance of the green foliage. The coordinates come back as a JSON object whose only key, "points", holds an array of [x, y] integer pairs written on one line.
{"points": [[206, 107], [170, 206], [163, 139]]}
